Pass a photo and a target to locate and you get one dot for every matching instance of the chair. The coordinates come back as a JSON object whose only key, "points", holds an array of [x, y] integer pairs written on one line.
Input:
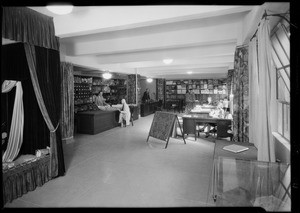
{"points": [[159, 106], [189, 127], [131, 108], [222, 129], [200, 127], [180, 105], [175, 105]]}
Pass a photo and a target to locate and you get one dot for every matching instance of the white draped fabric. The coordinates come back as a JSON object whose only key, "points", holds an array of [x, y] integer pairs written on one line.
{"points": [[8, 85], [263, 94], [253, 93], [15, 139]]}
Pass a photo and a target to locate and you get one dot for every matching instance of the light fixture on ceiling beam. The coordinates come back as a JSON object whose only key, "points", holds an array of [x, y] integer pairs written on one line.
{"points": [[60, 9], [107, 75], [168, 60], [189, 72], [149, 80]]}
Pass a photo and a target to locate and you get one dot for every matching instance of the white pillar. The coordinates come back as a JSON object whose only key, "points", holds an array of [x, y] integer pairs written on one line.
{"points": [[136, 87]]}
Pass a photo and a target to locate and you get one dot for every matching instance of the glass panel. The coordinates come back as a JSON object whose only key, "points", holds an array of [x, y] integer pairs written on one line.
{"points": [[284, 41], [283, 93], [279, 122], [286, 116], [286, 79], [284, 60], [248, 183], [287, 69], [275, 58]]}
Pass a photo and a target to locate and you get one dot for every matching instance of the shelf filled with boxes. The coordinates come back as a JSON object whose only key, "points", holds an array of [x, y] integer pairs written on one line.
{"points": [[82, 90], [202, 88]]}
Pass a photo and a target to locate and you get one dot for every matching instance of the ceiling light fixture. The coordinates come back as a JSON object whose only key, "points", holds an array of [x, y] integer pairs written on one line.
{"points": [[106, 75], [189, 72], [168, 60], [149, 80], [60, 9]]}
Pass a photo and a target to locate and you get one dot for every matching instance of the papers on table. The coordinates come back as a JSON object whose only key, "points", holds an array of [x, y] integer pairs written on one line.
{"points": [[235, 148]]}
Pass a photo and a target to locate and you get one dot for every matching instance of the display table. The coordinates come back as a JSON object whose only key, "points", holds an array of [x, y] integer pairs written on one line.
{"points": [[148, 108], [190, 122], [94, 122], [238, 179]]}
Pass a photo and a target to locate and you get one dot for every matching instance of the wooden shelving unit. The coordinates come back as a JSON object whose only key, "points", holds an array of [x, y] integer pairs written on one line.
{"points": [[176, 89], [85, 87]]}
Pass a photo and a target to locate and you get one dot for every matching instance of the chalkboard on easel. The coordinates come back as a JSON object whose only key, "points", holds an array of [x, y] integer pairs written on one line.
{"points": [[162, 126]]}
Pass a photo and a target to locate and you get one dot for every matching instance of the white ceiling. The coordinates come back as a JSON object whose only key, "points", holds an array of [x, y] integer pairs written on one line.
{"points": [[130, 39]]}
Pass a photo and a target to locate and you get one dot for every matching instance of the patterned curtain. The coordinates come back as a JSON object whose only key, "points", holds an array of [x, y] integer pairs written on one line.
{"points": [[160, 89], [67, 101], [240, 87], [131, 88]]}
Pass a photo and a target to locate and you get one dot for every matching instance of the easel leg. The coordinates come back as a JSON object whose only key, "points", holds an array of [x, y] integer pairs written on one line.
{"points": [[147, 138], [167, 142], [181, 130]]}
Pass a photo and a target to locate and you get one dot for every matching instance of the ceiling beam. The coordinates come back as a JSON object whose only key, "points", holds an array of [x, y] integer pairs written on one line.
{"points": [[191, 52], [170, 39]]}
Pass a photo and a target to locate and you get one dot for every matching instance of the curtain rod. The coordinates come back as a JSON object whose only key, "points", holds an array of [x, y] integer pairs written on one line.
{"points": [[282, 15]]}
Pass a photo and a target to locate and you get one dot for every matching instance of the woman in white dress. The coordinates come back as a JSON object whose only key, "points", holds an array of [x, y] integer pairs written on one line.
{"points": [[124, 113]]}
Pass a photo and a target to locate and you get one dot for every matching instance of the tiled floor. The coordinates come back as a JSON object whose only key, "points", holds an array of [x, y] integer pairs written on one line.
{"points": [[118, 168]]}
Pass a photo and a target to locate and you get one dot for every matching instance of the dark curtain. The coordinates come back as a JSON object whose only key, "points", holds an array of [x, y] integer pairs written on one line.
{"points": [[49, 78], [36, 133], [14, 67], [26, 25]]}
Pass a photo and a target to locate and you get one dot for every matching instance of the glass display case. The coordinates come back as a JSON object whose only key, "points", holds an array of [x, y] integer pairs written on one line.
{"points": [[240, 183]]}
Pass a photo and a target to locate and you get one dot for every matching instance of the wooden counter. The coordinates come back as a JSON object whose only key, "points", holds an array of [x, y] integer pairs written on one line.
{"points": [[148, 108], [94, 122]]}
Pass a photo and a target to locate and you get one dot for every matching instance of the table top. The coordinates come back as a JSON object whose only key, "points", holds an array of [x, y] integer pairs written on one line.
{"points": [[252, 183], [250, 154], [200, 117], [199, 112], [97, 112]]}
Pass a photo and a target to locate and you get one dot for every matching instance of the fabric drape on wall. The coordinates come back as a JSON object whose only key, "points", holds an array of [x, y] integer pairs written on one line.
{"points": [[40, 72], [267, 94], [229, 81], [15, 139], [254, 128], [131, 90], [7, 85], [26, 25], [67, 100], [160, 89], [24, 178], [241, 95], [14, 66]]}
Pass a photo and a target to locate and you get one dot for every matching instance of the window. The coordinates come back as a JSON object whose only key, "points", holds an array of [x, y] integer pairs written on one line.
{"points": [[280, 38]]}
